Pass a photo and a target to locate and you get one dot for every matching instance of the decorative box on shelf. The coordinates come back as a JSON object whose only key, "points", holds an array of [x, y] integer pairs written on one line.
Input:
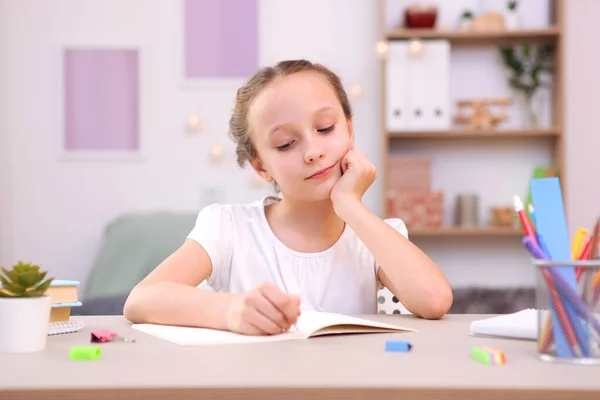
{"points": [[409, 172], [419, 209]]}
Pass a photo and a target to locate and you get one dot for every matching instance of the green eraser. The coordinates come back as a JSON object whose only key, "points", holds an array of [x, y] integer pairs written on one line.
{"points": [[481, 355], [85, 353]]}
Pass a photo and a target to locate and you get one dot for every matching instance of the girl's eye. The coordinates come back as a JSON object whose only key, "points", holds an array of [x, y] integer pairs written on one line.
{"points": [[325, 130], [284, 147]]}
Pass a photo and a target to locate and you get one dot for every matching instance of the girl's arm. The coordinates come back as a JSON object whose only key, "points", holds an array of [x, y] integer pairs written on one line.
{"points": [[169, 296], [404, 269]]}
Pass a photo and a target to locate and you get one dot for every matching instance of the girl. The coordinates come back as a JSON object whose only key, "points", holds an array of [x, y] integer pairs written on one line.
{"points": [[293, 124]]}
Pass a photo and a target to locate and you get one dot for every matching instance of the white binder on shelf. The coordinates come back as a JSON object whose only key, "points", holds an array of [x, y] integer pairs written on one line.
{"points": [[418, 86], [437, 85], [396, 99]]}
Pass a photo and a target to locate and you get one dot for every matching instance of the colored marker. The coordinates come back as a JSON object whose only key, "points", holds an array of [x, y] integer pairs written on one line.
{"points": [[562, 286], [523, 217], [577, 244], [585, 255], [398, 345]]}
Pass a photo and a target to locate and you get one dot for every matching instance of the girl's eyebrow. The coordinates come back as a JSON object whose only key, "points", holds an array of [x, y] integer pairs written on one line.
{"points": [[272, 130], [325, 108]]}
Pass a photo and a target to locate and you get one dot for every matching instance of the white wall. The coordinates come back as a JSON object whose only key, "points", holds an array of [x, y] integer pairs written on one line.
{"points": [[5, 165], [60, 208], [581, 109]]}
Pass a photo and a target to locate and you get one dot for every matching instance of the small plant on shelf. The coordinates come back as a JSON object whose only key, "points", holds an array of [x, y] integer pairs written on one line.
{"points": [[465, 21], [23, 280], [513, 21], [527, 65]]}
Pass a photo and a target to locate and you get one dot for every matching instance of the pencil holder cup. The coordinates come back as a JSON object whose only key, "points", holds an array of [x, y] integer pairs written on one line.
{"points": [[568, 304]]}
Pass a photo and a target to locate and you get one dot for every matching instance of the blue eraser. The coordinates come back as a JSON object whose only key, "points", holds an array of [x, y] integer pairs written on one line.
{"points": [[397, 345]]}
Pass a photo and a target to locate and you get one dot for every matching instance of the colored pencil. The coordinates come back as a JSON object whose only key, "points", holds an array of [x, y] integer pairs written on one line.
{"points": [[595, 291], [585, 255], [565, 321], [577, 244]]}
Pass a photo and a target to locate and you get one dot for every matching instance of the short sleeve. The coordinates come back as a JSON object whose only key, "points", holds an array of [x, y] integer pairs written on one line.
{"points": [[214, 232], [398, 225]]}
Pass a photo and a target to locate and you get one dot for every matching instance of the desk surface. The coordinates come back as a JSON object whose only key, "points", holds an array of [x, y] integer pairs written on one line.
{"points": [[348, 366]]}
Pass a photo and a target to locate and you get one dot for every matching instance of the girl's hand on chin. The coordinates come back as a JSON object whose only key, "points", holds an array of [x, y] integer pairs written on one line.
{"points": [[358, 173]]}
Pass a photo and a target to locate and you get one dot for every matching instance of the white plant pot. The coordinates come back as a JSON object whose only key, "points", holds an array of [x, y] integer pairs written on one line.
{"points": [[465, 24], [513, 21], [24, 324]]}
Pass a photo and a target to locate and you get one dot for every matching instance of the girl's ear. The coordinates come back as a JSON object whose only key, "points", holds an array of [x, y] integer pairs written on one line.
{"points": [[257, 165]]}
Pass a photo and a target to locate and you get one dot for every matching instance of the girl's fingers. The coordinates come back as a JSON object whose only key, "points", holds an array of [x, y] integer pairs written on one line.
{"points": [[286, 304], [264, 324], [266, 308]]}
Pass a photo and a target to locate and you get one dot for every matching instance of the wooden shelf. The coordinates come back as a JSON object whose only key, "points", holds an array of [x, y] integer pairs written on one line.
{"points": [[465, 232], [477, 134], [461, 37], [460, 135]]}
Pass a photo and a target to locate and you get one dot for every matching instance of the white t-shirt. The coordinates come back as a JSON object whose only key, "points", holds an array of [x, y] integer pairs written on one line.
{"points": [[341, 279]]}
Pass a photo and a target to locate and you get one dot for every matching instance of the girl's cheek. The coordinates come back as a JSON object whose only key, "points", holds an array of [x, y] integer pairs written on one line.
{"points": [[287, 167]]}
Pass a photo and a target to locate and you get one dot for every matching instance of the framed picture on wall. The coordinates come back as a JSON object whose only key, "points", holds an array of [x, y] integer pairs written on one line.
{"points": [[100, 103], [218, 42]]}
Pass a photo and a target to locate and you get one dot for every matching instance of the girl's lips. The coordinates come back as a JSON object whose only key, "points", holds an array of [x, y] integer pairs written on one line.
{"points": [[322, 173]]}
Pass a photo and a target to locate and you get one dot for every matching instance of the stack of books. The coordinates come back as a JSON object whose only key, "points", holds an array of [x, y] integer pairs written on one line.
{"points": [[64, 297]]}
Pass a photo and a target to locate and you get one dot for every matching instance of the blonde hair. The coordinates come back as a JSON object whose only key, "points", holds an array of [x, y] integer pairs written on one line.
{"points": [[238, 124]]}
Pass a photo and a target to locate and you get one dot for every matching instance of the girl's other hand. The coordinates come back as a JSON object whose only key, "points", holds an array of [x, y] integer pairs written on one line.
{"points": [[358, 174], [265, 310]]}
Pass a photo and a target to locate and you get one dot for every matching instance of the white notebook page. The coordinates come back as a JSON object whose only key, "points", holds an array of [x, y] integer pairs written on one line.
{"points": [[520, 325]]}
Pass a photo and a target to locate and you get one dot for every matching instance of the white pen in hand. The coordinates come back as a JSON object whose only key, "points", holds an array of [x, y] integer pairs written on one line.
{"points": [[262, 247]]}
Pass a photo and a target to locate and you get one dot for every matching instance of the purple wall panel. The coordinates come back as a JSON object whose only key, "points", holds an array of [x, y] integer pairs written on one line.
{"points": [[101, 100], [221, 38]]}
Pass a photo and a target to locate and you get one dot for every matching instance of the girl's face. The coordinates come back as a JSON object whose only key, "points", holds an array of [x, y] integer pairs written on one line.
{"points": [[301, 135]]}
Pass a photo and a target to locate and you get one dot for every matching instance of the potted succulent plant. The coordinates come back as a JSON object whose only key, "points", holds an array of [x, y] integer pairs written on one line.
{"points": [[24, 308]]}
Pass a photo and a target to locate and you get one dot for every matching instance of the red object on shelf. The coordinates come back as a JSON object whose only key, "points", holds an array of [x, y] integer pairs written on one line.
{"points": [[417, 17]]}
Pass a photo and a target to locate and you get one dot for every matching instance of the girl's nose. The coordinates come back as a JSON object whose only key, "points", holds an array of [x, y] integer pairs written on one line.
{"points": [[312, 156]]}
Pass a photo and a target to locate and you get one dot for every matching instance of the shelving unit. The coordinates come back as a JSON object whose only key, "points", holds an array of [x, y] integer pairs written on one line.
{"points": [[459, 38], [553, 34], [477, 134]]}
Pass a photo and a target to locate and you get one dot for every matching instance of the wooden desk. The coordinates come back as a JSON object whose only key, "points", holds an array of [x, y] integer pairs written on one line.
{"points": [[349, 367]]}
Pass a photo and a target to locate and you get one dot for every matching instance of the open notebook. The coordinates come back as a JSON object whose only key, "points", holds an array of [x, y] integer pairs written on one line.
{"points": [[519, 325], [309, 324]]}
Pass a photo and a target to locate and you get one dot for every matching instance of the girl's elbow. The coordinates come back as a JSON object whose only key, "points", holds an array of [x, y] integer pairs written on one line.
{"points": [[438, 305], [131, 310]]}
